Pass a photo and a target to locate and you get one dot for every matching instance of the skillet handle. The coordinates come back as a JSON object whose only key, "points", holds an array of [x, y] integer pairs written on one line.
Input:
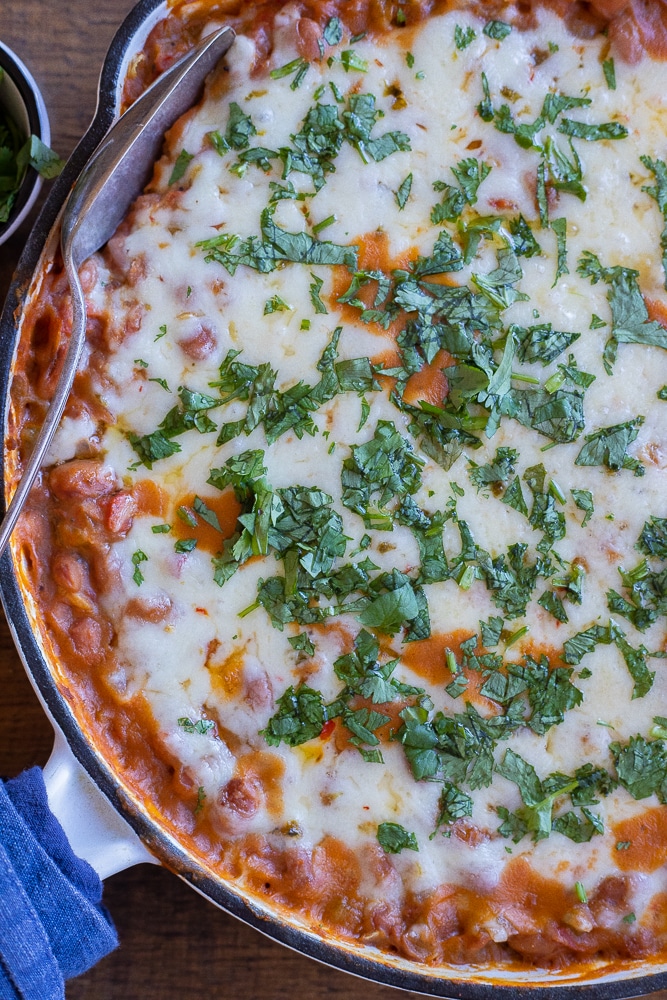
{"points": [[96, 832]]}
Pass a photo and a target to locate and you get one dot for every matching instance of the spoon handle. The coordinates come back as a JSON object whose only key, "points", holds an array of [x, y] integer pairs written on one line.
{"points": [[123, 162], [108, 184]]}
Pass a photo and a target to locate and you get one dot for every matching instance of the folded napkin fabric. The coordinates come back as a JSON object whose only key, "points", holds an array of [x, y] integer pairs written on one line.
{"points": [[52, 923]]}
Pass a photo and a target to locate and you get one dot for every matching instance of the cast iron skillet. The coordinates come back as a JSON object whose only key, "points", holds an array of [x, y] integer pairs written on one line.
{"points": [[360, 961]]}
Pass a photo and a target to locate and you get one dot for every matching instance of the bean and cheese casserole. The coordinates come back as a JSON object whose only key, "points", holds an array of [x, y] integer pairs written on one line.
{"points": [[351, 551]]}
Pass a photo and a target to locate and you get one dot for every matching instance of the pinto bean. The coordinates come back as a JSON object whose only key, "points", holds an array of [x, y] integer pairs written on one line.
{"points": [[117, 255], [134, 319], [200, 344], [120, 512], [640, 27], [88, 639], [609, 8], [88, 274], [241, 796], [307, 37], [69, 572], [82, 479], [33, 537], [258, 692], [156, 610]]}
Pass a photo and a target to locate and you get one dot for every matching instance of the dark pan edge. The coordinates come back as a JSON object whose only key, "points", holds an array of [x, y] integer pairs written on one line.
{"points": [[169, 852]]}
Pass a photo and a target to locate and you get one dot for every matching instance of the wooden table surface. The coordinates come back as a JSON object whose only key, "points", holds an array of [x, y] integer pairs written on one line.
{"points": [[173, 944]]}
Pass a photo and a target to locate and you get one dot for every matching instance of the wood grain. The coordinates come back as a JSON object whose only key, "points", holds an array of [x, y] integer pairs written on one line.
{"points": [[174, 944]]}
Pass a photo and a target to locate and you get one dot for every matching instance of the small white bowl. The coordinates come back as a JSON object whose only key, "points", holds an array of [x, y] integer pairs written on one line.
{"points": [[21, 98]]}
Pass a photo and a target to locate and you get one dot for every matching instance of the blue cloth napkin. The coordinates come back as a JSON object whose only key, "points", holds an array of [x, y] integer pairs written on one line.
{"points": [[52, 923]]}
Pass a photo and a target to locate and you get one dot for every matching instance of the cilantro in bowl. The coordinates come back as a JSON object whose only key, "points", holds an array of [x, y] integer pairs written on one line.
{"points": [[18, 153]]}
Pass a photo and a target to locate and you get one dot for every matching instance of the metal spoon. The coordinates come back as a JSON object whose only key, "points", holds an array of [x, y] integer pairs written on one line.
{"points": [[113, 177]]}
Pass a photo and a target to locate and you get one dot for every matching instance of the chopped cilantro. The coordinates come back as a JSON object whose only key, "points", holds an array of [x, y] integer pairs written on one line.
{"points": [[659, 193], [577, 646], [470, 173], [463, 36], [162, 382], [185, 545], [583, 499], [523, 240], [653, 538], [277, 246], [333, 31], [609, 70], [498, 30], [552, 603], [630, 320], [536, 816], [352, 62], [138, 558], [191, 413], [180, 166], [315, 289], [276, 304], [608, 446], [592, 133], [498, 471], [641, 766], [296, 68], [491, 631], [559, 227], [300, 717], [378, 471], [206, 514], [237, 135], [201, 726], [541, 343], [454, 804], [403, 192], [393, 838], [17, 155]]}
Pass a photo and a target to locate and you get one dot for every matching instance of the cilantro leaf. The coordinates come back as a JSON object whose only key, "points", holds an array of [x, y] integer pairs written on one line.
{"points": [[653, 538], [541, 343], [592, 133], [523, 240], [583, 499], [608, 446], [277, 246], [498, 30], [641, 766], [300, 717], [454, 804], [239, 129], [180, 166], [463, 36], [470, 173], [630, 322], [536, 816], [393, 838], [658, 192], [558, 415], [333, 31], [499, 470], [403, 192]]}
